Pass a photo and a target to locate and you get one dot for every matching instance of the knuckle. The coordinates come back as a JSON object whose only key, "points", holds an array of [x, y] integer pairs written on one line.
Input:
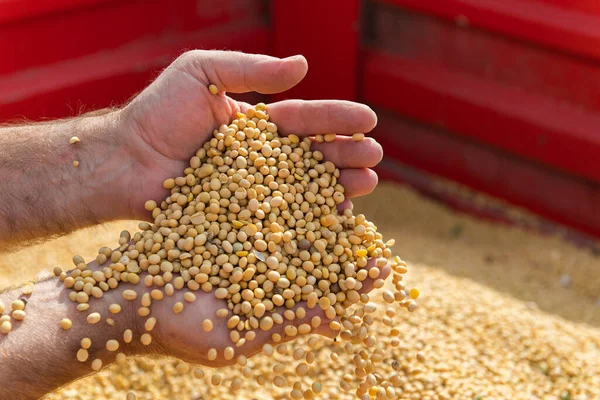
{"points": [[190, 58]]}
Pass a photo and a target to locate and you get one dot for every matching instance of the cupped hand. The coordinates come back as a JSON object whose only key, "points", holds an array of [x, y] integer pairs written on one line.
{"points": [[174, 116], [181, 335]]}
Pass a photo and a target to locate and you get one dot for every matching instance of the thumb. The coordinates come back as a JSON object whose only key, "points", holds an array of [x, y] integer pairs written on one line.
{"points": [[238, 72]]}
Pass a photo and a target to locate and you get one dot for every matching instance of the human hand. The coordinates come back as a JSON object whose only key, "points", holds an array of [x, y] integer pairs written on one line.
{"points": [[181, 335], [176, 114]]}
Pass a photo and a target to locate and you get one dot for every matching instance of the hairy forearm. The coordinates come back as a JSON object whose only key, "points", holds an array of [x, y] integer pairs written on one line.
{"points": [[43, 193], [38, 356]]}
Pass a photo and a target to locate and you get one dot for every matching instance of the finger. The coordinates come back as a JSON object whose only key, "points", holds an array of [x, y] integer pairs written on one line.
{"points": [[358, 182], [346, 153], [307, 118], [239, 72]]}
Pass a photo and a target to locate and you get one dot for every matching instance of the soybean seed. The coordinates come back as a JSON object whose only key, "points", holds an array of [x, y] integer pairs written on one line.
{"points": [[212, 354], [18, 315], [149, 324], [82, 355], [112, 345], [66, 323], [5, 327], [129, 294], [182, 368], [189, 297], [150, 205], [97, 364], [27, 288], [199, 373], [178, 307], [17, 305], [229, 353], [215, 380], [146, 339], [329, 137], [207, 325], [93, 318], [114, 308]]}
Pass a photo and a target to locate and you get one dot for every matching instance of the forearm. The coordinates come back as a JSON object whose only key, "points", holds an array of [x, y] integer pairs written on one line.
{"points": [[43, 193], [38, 356]]}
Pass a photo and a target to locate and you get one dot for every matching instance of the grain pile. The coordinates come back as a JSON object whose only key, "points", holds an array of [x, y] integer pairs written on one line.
{"points": [[485, 329], [257, 221]]}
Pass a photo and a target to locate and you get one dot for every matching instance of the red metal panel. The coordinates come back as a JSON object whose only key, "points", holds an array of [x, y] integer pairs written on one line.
{"points": [[327, 35], [585, 6], [523, 123], [98, 81], [500, 115], [533, 20], [486, 56], [12, 10], [73, 33], [549, 193]]}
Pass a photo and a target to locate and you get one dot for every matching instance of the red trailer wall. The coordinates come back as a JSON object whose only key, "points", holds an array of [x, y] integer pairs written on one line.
{"points": [[502, 96], [60, 55]]}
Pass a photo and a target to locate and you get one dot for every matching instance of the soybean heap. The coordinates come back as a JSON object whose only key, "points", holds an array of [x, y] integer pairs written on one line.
{"points": [[254, 219]]}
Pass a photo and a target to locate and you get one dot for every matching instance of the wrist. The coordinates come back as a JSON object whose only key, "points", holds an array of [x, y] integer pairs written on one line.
{"points": [[39, 345], [104, 173]]}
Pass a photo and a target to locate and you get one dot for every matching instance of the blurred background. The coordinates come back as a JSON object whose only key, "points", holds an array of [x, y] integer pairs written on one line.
{"points": [[501, 96], [489, 114]]}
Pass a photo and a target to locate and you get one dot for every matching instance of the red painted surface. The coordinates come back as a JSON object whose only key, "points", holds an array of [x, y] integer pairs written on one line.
{"points": [[327, 34], [486, 56], [569, 29], [507, 100], [13, 10], [99, 53], [107, 25], [553, 195], [97, 81], [521, 122], [496, 108]]}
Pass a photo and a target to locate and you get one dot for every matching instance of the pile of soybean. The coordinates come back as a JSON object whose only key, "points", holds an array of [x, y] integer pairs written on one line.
{"points": [[495, 320], [256, 219]]}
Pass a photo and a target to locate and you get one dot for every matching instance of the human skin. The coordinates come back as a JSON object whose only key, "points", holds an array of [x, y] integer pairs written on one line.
{"points": [[38, 356], [124, 156]]}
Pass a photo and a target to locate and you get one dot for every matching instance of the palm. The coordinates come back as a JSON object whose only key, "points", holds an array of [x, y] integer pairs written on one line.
{"points": [[176, 114], [181, 335], [172, 126], [183, 117]]}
